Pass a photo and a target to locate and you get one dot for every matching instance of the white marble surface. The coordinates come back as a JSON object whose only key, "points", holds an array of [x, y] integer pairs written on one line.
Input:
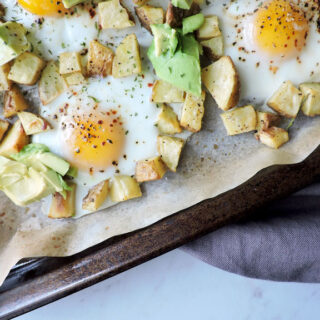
{"points": [[178, 286]]}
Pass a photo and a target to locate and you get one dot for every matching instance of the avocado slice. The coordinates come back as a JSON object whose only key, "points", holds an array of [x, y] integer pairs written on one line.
{"points": [[13, 41], [181, 69], [70, 3], [54, 162], [182, 4], [165, 39], [192, 23]]}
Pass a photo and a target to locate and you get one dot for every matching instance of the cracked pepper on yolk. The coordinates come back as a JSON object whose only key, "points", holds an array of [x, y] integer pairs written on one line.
{"points": [[43, 7], [280, 28], [95, 141]]}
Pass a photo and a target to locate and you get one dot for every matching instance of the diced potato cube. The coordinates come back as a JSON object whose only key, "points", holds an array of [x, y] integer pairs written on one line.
{"points": [[26, 69], [222, 80], [5, 83], [14, 102], [209, 29], [63, 208], [4, 125], [170, 149], [150, 170], [240, 120], [100, 59], [164, 92], [149, 15], [286, 100], [193, 112], [70, 62], [273, 137], [74, 79], [265, 120], [14, 141], [127, 60], [33, 124], [113, 15], [51, 84], [311, 101], [168, 120], [213, 48], [96, 196], [124, 188]]}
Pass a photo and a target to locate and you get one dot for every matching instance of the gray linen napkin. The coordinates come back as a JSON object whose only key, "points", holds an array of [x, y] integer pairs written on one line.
{"points": [[282, 243]]}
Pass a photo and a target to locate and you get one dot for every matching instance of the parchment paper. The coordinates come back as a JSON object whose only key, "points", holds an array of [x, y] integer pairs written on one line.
{"points": [[211, 164]]}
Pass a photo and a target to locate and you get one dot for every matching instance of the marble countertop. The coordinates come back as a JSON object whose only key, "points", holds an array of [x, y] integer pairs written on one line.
{"points": [[178, 286]]}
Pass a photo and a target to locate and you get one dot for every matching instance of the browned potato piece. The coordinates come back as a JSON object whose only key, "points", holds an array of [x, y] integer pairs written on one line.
{"points": [[209, 29], [14, 141], [63, 208], [5, 83], [311, 101], [286, 100], [4, 125], [213, 48], [168, 120], [150, 170], [14, 102], [273, 137], [33, 124], [73, 79], [127, 60], [222, 80], [96, 196], [164, 92], [174, 15], [26, 69], [265, 120], [149, 15], [240, 120], [100, 59], [124, 188], [69, 62]]}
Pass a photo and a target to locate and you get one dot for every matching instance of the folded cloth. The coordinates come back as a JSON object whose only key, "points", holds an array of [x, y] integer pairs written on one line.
{"points": [[281, 242]]}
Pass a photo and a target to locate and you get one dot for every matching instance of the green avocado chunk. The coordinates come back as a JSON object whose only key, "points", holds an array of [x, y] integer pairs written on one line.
{"points": [[182, 4], [54, 162], [70, 3], [182, 69], [192, 23], [13, 41], [165, 38]]}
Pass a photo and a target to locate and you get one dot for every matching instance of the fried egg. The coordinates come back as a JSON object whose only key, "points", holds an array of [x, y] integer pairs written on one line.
{"points": [[270, 42]]}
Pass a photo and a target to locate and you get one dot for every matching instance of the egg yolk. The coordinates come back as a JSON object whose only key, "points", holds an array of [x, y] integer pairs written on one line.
{"points": [[43, 7], [95, 140], [280, 28]]}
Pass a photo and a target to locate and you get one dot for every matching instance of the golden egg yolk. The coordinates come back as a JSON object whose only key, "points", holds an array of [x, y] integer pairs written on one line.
{"points": [[280, 28], [95, 140], [43, 7]]}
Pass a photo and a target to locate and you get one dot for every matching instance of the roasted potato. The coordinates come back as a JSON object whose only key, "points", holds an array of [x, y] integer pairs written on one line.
{"points": [[14, 141], [14, 102], [175, 15], [63, 208], [222, 80], [286, 100], [51, 84], [73, 79], [168, 120], [33, 124], [96, 196], [69, 63], [149, 15], [209, 29], [5, 83], [4, 126], [265, 120], [213, 48], [100, 59], [164, 92], [127, 60], [240, 120], [124, 188], [26, 69], [170, 149], [150, 170], [193, 112], [113, 15], [311, 98], [273, 137]]}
